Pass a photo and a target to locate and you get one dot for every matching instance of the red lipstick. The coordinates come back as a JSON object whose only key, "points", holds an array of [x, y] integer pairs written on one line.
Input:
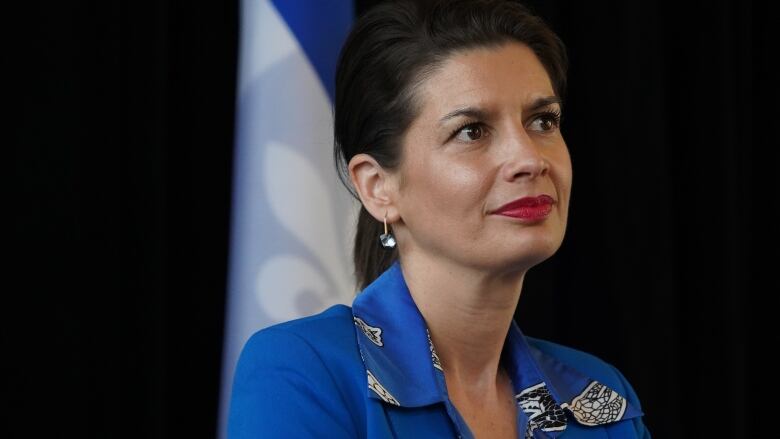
{"points": [[528, 208]]}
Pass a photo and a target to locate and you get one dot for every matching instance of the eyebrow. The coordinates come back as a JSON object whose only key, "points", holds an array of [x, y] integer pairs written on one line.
{"points": [[544, 102], [479, 113]]}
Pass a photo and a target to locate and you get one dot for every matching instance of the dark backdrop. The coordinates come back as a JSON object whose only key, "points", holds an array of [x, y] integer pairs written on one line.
{"points": [[122, 118]]}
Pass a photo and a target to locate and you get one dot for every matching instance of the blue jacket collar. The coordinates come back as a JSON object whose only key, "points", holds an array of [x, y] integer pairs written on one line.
{"points": [[403, 368], [394, 344]]}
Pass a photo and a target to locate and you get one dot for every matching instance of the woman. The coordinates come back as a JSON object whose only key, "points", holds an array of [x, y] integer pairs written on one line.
{"points": [[447, 126]]}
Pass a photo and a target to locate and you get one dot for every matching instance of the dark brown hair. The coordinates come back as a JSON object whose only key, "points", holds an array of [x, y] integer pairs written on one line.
{"points": [[390, 51]]}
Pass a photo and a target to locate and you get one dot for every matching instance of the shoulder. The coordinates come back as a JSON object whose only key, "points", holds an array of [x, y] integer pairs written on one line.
{"points": [[325, 341], [329, 330], [589, 365], [308, 365]]}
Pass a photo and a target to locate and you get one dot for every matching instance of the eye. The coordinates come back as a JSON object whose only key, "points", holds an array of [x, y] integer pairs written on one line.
{"points": [[470, 132], [547, 121]]}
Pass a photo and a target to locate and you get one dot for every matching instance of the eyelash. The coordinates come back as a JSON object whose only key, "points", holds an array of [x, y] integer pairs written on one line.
{"points": [[458, 129], [555, 115]]}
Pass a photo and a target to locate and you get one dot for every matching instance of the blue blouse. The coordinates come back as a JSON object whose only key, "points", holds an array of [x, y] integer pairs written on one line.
{"points": [[372, 371]]}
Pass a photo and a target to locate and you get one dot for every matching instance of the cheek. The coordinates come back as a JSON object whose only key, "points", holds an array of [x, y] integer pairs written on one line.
{"points": [[563, 177], [568, 175], [459, 186]]}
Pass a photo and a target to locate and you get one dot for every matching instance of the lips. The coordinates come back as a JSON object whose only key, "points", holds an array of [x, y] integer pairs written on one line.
{"points": [[529, 208]]}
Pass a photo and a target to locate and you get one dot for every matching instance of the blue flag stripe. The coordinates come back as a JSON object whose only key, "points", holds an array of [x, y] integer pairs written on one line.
{"points": [[320, 28]]}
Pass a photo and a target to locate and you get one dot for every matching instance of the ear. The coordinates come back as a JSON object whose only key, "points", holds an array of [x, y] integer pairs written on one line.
{"points": [[376, 187]]}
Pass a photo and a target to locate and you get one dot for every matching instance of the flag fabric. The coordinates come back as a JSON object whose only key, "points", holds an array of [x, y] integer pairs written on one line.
{"points": [[292, 222]]}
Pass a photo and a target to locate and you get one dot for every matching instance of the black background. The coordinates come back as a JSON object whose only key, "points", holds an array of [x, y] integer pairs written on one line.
{"points": [[122, 121]]}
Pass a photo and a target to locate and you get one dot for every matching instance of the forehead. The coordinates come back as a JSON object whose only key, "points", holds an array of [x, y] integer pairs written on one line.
{"points": [[510, 74]]}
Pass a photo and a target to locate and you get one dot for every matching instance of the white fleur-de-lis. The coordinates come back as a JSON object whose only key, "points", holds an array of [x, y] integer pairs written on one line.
{"points": [[299, 198], [287, 134]]}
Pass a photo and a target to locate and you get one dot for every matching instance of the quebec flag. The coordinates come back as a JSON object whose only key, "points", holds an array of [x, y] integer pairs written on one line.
{"points": [[292, 222]]}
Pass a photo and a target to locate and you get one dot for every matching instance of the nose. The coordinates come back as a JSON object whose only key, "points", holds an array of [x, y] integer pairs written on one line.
{"points": [[524, 157]]}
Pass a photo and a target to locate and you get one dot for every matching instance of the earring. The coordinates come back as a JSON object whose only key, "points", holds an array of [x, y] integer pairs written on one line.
{"points": [[387, 239]]}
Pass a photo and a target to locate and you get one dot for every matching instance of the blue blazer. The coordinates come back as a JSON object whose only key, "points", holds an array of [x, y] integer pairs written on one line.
{"points": [[371, 371]]}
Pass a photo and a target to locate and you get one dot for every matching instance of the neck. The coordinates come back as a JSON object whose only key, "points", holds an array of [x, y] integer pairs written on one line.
{"points": [[468, 313]]}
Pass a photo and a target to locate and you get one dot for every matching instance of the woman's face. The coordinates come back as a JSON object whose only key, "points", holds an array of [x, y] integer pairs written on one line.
{"points": [[453, 178]]}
